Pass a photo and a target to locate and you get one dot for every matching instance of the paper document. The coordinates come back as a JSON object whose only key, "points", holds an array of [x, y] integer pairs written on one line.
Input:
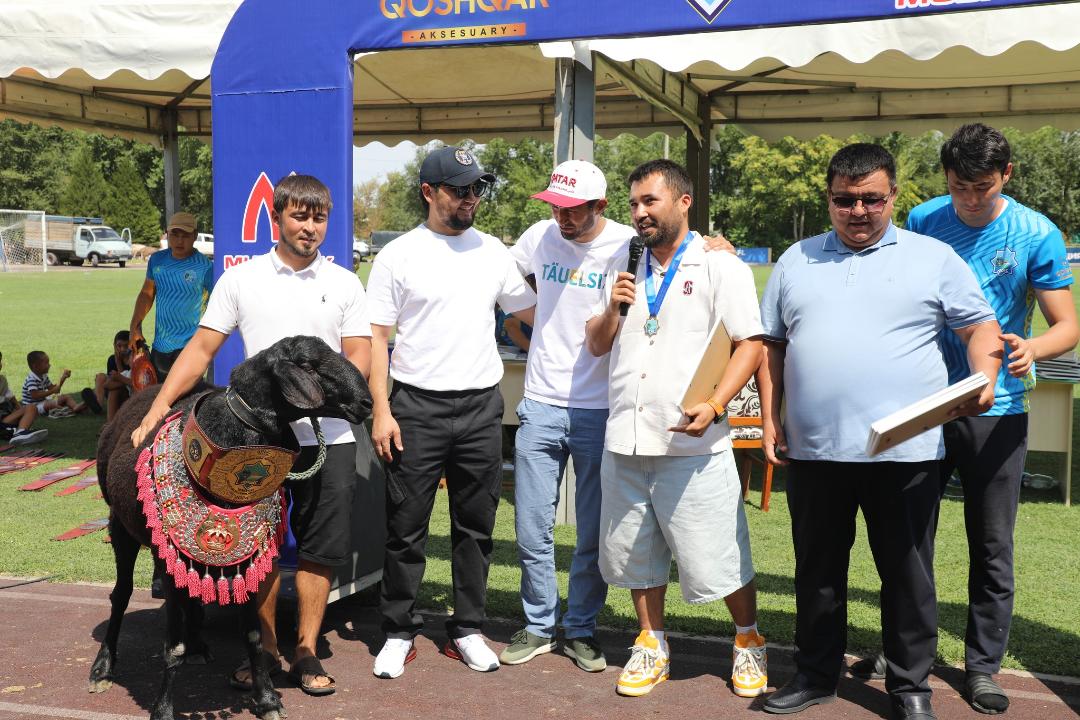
{"points": [[922, 415], [710, 368]]}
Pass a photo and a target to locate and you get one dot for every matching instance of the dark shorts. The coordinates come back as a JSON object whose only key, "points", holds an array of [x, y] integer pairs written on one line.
{"points": [[163, 361], [321, 514]]}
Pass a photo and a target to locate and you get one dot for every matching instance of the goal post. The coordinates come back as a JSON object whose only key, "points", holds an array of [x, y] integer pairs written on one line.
{"points": [[22, 240]]}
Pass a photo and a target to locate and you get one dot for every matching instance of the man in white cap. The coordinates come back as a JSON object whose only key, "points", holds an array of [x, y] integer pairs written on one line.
{"points": [[179, 279], [564, 412]]}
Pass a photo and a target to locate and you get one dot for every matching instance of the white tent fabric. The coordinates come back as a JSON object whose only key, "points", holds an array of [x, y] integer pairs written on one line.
{"points": [[115, 64], [920, 37]]}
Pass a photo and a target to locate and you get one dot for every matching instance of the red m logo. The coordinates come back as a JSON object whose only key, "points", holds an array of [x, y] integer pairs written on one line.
{"points": [[261, 198]]}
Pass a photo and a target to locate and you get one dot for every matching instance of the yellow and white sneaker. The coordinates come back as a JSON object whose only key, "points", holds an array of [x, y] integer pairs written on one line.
{"points": [[749, 665], [648, 666]]}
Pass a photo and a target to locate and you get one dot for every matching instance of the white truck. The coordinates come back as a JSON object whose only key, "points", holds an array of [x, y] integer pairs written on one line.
{"points": [[204, 243], [74, 240]]}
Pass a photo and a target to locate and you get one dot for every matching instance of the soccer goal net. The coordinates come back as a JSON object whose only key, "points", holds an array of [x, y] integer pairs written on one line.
{"points": [[22, 240]]}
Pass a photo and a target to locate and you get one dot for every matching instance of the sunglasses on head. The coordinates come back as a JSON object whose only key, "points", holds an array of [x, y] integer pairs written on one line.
{"points": [[869, 204], [478, 188]]}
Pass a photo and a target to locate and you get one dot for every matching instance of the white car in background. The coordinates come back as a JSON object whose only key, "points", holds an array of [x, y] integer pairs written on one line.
{"points": [[360, 251], [204, 243]]}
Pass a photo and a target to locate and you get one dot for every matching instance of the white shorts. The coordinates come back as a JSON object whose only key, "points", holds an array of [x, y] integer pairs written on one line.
{"points": [[690, 507]]}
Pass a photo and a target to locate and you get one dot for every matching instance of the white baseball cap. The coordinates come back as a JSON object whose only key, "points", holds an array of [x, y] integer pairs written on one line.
{"points": [[573, 183]]}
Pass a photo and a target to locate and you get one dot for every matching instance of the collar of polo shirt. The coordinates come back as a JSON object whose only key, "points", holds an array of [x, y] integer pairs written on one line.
{"points": [[280, 265], [833, 243]]}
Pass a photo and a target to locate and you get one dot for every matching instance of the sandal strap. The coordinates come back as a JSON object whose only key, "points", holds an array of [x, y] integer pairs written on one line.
{"points": [[310, 665], [981, 684]]}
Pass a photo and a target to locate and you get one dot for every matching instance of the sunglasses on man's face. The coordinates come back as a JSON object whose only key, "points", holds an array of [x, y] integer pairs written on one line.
{"points": [[478, 188], [846, 203]]}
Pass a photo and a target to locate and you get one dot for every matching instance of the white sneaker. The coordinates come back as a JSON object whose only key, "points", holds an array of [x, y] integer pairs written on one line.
{"points": [[391, 660], [473, 651], [25, 437]]}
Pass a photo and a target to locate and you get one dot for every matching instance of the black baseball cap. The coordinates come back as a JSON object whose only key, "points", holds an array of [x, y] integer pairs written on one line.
{"points": [[452, 166]]}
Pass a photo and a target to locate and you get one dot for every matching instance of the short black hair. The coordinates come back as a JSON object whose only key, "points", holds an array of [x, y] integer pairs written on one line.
{"points": [[859, 160], [674, 174], [303, 191], [124, 335], [34, 357], [975, 150]]}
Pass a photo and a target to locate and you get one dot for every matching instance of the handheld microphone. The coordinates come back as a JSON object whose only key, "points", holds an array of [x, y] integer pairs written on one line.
{"points": [[637, 246]]}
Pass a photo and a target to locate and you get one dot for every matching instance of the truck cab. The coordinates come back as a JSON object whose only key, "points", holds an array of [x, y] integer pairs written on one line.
{"points": [[101, 244]]}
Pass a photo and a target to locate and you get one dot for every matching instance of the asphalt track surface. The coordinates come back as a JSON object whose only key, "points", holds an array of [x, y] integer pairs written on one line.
{"points": [[51, 634]]}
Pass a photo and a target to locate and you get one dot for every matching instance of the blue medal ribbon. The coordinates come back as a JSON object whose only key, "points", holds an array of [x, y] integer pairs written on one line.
{"points": [[655, 297]]}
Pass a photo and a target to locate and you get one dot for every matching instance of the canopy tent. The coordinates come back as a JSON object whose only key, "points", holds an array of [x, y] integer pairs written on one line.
{"points": [[121, 66]]}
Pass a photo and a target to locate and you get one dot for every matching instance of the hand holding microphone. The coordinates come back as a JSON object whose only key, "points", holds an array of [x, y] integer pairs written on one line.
{"points": [[637, 246]]}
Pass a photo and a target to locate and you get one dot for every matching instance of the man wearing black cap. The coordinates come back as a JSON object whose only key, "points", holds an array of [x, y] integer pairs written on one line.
{"points": [[438, 285]]}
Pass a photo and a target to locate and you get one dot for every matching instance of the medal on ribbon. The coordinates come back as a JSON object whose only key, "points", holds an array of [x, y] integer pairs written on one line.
{"points": [[654, 296]]}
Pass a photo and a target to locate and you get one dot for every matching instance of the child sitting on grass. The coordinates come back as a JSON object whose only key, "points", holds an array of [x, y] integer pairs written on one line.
{"points": [[39, 389], [113, 387], [16, 419]]}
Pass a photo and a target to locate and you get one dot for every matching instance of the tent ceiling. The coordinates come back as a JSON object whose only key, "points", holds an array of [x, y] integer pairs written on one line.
{"points": [[912, 73]]}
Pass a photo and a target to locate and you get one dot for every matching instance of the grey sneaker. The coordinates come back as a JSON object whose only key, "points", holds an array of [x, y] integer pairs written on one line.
{"points": [[524, 646], [586, 654]]}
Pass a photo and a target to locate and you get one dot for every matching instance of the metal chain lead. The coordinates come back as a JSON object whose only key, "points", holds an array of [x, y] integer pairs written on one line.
{"points": [[319, 459]]}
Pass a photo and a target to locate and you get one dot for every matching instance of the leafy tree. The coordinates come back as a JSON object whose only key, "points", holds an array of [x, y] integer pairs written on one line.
{"points": [[1046, 174], [85, 192], [368, 210], [196, 182], [129, 204], [521, 169], [618, 157]]}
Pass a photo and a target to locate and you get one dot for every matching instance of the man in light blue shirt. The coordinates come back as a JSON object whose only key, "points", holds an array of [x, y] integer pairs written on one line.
{"points": [[1018, 256], [852, 320]]}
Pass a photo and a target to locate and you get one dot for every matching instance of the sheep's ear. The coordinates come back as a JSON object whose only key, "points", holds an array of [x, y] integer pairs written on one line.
{"points": [[299, 386]]}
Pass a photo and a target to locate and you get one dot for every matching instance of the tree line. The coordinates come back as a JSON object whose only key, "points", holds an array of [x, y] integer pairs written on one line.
{"points": [[761, 194], [70, 172]]}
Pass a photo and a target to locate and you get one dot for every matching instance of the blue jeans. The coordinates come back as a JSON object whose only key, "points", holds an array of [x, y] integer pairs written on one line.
{"points": [[547, 437]]}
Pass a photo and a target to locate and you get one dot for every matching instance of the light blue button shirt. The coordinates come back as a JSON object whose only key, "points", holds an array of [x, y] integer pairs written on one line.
{"points": [[862, 337]]}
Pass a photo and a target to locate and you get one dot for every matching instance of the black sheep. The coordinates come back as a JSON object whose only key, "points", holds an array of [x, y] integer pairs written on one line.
{"points": [[296, 377]]}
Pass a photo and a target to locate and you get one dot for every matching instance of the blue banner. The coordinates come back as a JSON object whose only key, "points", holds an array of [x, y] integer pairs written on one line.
{"points": [[1072, 252], [282, 83], [754, 255]]}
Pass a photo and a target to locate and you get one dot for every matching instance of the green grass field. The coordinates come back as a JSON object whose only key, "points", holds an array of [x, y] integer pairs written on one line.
{"points": [[72, 315]]}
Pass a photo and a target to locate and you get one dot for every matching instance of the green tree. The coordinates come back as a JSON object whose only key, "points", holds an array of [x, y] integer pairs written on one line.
{"points": [[85, 192], [129, 204], [1046, 174], [521, 169], [196, 182], [618, 157]]}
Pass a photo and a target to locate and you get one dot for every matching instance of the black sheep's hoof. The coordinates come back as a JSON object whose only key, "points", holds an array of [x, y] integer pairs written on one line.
{"points": [[101, 672]]}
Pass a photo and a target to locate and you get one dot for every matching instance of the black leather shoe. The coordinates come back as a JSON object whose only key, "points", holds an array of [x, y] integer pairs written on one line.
{"points": [[912, 707], [797, 695]]}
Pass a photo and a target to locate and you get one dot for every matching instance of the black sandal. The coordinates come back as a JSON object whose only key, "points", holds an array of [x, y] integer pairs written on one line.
{"points": [[311, 667], [869, 668], [273, 665], [984, 694]]}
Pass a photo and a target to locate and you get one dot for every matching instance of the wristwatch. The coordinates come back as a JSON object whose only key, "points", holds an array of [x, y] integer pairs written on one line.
{"points": [[720, 410]]}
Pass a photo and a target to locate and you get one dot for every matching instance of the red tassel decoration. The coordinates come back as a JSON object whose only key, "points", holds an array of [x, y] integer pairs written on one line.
{"points": [[251, 577], [170, 559], [194, 585], [180, 575], [223, 595], [239, 588], [156, 538], [208, 595]]}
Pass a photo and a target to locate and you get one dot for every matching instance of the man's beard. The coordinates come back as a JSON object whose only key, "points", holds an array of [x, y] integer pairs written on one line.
{"points": [[297, 249], [459, 223], [664, 235]]}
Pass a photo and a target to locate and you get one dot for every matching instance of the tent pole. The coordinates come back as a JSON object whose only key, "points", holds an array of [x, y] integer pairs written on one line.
{"points": [[171, 144], [575, 110], [697, 164]]}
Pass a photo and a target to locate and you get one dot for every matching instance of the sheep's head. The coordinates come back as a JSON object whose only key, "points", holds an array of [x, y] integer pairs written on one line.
{"points": [[300, 377]]}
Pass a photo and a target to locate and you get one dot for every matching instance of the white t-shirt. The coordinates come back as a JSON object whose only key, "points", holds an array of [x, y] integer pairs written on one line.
{"points": [[267, 301], [440, 291], [571, 277], [649, 375]]}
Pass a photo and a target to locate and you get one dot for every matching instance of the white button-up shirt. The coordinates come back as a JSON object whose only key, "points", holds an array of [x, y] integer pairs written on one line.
{"points": [[650, 375]]}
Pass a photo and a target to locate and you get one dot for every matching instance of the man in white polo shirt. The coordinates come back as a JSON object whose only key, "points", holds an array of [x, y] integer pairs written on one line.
{"points": [[438, 284], [669, 482], [291, 290], [564, 412]]}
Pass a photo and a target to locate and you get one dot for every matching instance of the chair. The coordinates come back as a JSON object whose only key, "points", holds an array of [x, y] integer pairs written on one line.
{"points": [[744, 418]]}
